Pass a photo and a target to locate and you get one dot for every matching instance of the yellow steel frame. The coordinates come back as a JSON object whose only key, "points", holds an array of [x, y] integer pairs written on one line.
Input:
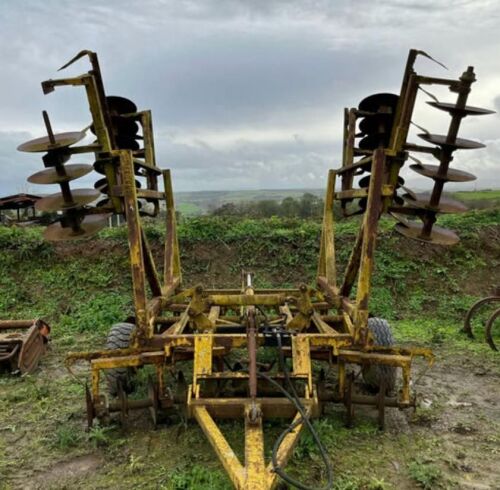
{"points": [[174, 323], [324, 324]]}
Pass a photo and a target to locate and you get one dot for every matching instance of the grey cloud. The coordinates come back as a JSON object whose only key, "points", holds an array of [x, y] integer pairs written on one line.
{"points": [[243, 93]]}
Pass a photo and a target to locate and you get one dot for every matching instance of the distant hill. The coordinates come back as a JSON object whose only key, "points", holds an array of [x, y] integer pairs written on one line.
{"points": [[202, 202]]}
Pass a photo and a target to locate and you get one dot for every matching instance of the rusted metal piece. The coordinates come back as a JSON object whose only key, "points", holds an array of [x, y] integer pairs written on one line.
{"points": [[489, 327], [467, 328], [491, 301], [23, 344], [46, 143], [452, 175], [252, 355]]}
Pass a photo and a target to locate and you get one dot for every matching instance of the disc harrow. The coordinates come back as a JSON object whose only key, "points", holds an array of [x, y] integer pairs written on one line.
{"points": [[117, 125], [383, 121], [221, 332]]}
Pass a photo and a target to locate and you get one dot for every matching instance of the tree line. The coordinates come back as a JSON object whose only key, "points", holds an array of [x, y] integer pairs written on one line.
{"points": [[306, 206]]}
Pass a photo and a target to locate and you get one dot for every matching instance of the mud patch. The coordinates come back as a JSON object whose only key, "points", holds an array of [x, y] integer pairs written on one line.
{"points": [[64, 472]]}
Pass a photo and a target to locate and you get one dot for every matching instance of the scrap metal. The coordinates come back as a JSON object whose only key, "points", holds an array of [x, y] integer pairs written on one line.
{"points": [[22, 344], [492, 301]]}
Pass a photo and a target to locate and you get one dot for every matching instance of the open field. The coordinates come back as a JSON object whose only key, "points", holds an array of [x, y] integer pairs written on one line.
{"points": [[196, 203], [201, 202], [451, 441]]}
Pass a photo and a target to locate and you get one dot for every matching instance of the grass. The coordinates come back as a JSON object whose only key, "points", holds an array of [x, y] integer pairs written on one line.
{"points": [[426, 475], [195, 203], [82, 289], [189, 209], [477, 195]]}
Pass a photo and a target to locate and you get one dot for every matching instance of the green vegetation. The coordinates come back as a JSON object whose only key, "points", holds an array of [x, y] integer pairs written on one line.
{"points": [[205, 202], [197, 478], [477, 195], [426, 475], [189, 209], [307, 206], [81, 288]]}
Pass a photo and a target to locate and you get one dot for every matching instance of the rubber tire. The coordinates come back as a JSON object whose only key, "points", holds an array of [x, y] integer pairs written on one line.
{"points": [[119, 338], [374, 375]]}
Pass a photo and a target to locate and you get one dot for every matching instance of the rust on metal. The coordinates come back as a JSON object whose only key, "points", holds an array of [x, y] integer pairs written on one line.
{"points": [[491, 301], [327, 323], [22, 344]]}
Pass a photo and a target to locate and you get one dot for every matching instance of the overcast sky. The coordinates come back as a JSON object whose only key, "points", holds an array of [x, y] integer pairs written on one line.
{"points": [[244, 94]]}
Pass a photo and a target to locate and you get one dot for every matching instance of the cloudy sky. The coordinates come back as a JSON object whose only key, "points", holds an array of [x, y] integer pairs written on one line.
{"points": [[244, 94]]}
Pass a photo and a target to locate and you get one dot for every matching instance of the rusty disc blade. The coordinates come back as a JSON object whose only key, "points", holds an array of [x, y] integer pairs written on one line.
{"points": [[103, 203], [102, 185], [398, 200], [373, 103], [56, 202], [120, 105], [53, 158], [122, 126], [466, 111], [365, 181], [458, 144], [91, 224], [377, 123], [50, 175], [438, 236], [373, 141], [400, 217], [446, 204], [126, 143], [99, 166], [61, 140], [409, 192], [452, 175]]}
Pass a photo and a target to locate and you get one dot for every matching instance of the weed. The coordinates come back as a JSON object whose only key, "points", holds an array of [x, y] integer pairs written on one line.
{"points": [[197, 478], [135, 464], [427, 475], [66, 437], [99, 436], [378, 484], [346, 483]]}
